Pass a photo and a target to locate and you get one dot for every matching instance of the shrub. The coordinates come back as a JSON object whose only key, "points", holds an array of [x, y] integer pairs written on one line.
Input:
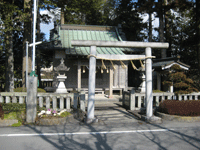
{"points": [[1, 112], [157, 91], [13, 107], [20, 89], [14, 111], [181, 108]]}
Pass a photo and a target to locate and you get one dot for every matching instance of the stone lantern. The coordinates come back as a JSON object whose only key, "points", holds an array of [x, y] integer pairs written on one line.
{"points": [[61, 69], [143, 78]]}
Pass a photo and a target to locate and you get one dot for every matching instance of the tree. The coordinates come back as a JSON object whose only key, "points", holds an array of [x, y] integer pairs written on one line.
{"points": [[198, 32], [27, 36], [146, 6], [128, 16], [11, 17], [178, 79]]}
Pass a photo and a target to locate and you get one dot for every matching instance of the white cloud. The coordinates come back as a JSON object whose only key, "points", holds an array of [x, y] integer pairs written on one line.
{"points": [[155, 21], [45, 28]]}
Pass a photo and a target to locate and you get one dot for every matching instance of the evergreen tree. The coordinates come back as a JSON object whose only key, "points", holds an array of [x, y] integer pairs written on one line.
{"points": [[11, 17], [128, 16], [179, 80]]}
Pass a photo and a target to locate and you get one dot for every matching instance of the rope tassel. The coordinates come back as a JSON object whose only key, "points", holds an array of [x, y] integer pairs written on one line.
{"points": [[141, 64], [103, 65], [112, 65], [134, 67], [123, 65]]}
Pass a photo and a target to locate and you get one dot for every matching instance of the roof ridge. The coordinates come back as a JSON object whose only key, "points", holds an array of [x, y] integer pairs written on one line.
{"points": [[87, 27]]}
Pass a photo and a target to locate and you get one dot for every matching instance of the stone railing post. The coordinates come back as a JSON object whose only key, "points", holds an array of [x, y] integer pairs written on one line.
{"points": [[75, 100], [1, 99], [68, 103], [82, 101], [132, 100], [54, 102]]}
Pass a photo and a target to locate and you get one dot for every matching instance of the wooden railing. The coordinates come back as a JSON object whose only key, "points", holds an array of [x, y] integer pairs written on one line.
{"points": [[136, 101]]}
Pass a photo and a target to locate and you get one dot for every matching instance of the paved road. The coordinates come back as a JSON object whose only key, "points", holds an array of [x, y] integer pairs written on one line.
{"points": [[117, 136]]}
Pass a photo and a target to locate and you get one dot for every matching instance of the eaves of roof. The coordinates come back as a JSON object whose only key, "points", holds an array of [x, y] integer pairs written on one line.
{"points": [[168, 64]]}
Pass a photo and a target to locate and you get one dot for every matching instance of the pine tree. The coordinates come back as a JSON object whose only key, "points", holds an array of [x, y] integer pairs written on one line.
{"points": [[179, 80]]}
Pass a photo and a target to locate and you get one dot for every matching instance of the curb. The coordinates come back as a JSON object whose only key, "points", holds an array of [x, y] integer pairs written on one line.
{"points": [[55, 121], [178, 118], [7, 122]]}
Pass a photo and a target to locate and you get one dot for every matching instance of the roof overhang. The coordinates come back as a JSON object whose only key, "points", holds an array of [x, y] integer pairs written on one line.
{"points": [[175, 63]]}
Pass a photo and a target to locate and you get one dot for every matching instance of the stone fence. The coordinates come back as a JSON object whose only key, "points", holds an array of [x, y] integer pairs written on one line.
{"points": [[136, 101], [55, 101]]}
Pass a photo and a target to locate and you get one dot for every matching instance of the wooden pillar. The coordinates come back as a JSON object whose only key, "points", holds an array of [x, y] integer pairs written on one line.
{"points": [[79, 75], [111, 83]]}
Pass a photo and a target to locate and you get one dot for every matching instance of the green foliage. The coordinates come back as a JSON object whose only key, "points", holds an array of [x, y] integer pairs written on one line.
{"points": [[11, 115], [157, 91], [13, 106], [18, 115], [90, 12], [182, 84], [17, 124], [20, 89], [65, 114], [181, 108], [14, 111], [167, 83], [129, 17]]}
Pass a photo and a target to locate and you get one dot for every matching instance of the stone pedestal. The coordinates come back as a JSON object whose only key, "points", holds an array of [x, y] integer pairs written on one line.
{"points": [[61, 86], [143, 84]]}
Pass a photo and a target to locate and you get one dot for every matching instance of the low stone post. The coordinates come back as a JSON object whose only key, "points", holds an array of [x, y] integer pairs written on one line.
{"points": [[31, 103]]}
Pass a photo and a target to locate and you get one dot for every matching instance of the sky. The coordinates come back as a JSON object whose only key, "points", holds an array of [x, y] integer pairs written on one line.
{"points": [[45, 28]]}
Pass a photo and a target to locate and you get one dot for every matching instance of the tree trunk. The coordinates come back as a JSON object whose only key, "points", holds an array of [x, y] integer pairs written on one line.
{"points": [[161, 27], [150, 27], [198, 32], [9, 86], [167, 29], [38, 50], [27, 37]]}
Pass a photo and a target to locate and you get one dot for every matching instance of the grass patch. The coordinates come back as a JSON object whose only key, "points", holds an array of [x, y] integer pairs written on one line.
{"points": [[17, 124], [65, 114], [20, 89], [17, 115], [157, 91]]}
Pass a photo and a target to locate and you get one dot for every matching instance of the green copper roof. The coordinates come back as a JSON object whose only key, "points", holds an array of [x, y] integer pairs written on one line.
{"points": [[83, 32]]}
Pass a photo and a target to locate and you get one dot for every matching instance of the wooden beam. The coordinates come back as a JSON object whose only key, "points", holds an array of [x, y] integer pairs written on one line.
{"points": [[119, 44]]}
